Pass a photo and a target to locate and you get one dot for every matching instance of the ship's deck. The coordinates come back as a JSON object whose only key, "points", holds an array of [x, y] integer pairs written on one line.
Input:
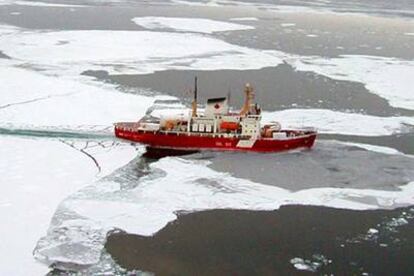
{"points": [[291, 133]]}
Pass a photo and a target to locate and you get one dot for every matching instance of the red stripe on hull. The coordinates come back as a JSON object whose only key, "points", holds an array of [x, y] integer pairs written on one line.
{"points": [[198, 142]]}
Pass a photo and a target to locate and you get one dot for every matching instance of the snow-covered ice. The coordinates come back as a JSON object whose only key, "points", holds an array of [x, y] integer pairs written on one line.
{"points": [[39, 4], [140, 52], [177, 184], [374, 148], [36, 175], [128, 52], [389, 78], [99, 106], [197, 25], [312, 265], [46, 101], [244, 19], [288, 24], [335, 122]]}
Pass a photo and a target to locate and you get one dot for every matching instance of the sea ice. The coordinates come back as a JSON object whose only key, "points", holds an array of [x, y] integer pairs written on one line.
{"points": [[197, 25], [288, 24], [78, 105], [335, 122], [38, 4], [140, 52], [175, 184], [389, 78], [129, 52], [36, 175], [244, 19], [47, 101]]}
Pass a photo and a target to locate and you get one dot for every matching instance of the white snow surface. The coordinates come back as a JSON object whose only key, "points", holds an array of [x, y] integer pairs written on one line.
{"points": [[151, 205], [36, 175], [374, 148], [128, 52], [244, 19], [198, 25], [389, 78], [288, 24], [46, 101], [39, 4], [335, 122]]}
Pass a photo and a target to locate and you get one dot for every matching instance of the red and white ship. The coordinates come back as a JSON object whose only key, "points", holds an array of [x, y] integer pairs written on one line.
{"points": [[216, 129]]}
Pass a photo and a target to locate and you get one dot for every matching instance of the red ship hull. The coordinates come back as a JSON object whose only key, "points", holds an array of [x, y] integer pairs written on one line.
{"points": [[194, 141]]}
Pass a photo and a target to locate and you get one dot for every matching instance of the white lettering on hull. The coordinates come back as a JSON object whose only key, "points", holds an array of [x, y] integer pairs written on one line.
{"points": [[246, 143]]}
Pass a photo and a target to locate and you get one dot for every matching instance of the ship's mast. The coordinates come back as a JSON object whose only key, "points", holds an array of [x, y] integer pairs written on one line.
{"points": [[194, 103], [248, 102]]}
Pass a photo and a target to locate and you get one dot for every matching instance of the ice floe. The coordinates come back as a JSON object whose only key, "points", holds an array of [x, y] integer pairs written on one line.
{"points": [[127, 52], [390, 78], [244, 19], [140, 52], [39, 4], [374, 148], [46, 101], [288, 24], [197, 25], [177, 184], [335, 122], [78, 105], [312, 265], [36, 175]]}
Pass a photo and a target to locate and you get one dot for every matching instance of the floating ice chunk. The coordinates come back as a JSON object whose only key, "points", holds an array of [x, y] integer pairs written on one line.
{"points": [[389, 78], [288, 24], [244, 19], [310, 265], [198, 25], [210, 3], [38, 4], [372, 231], [300, 264], [374, 148], [328, 121]]}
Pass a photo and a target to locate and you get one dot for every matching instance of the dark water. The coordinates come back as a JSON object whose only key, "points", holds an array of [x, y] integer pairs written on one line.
{"points": [[234, 242], [400, 142], [348, 5], [276, 88], [328, 164]]}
